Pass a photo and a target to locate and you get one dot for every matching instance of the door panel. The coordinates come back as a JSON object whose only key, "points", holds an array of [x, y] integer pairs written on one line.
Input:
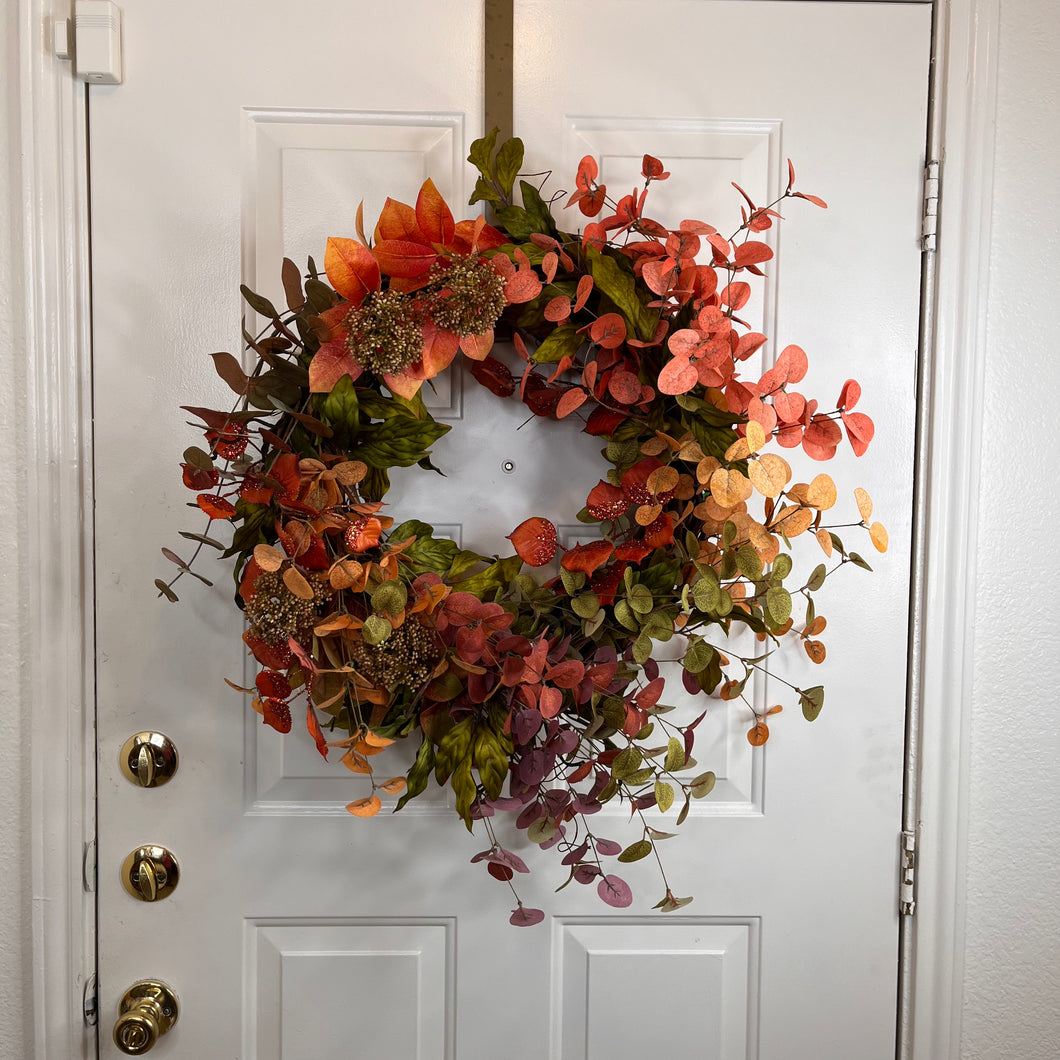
{"points": [[297, 933]]}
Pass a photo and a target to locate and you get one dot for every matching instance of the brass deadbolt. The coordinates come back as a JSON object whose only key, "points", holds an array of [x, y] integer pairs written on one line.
{"points": [[148, 759], [146, 1011], [150, 873]]}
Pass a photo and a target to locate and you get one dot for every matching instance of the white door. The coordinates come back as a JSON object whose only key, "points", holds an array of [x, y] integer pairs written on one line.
{"points": [[245, 132]]}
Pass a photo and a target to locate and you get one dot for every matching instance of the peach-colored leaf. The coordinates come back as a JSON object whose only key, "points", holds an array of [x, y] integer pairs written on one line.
{"points": [[297, 585], [864, 503], [352, 268], [770, 473], [824, 539], [878, 536], [367, 807], [329, 364], [477, 347], [269, 558], [821, 493], [728, 487]]}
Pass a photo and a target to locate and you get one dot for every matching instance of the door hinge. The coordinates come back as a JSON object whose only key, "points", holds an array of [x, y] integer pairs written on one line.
{"points": [[91, 1002], [88, 867], [929, 223], [907, 875]]}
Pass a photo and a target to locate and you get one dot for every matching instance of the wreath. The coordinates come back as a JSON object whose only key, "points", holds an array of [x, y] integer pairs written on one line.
{"points": [[534, 695]]}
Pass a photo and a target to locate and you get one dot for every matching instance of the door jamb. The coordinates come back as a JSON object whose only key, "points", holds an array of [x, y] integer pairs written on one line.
{"points": [[49, 191]]}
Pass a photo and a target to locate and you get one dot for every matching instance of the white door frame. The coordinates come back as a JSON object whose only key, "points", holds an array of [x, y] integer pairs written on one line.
{"points": [[51, 275]]}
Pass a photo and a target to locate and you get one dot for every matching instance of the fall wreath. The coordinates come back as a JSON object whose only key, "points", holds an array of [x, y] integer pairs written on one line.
{"points": [[533, 695]]}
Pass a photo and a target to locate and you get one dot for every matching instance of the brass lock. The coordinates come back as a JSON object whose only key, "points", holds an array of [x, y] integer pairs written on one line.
{"points": [[146, 1012], [150, 873], [148, 759]]}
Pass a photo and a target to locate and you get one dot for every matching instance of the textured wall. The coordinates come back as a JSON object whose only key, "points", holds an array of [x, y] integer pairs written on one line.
{"points": [[14, 767], [1012, 960]]}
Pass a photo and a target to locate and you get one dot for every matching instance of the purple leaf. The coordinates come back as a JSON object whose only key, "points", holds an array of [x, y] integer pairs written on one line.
{"points": [[557, 800], [586, 873], [525, 725], [585, 806], [563, 742], [651, 669], [608, 847], [615, 892], [532, 813], [691, 682], [482, 855], [512, 861], [523, 917], [576, 854]]}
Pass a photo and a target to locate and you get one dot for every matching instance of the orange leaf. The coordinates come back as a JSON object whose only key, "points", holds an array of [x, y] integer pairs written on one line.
{"points": [[356, 763], [297, 585], [557, 309], [394, 786], [864, 503], [329, 364], [215, 506], [571, 400], [585, 286], [397, 220], [878, 536], [815, 650], [433, 215], [824, 539], [535, 541], [588, 557], [728, 487], [821, 493], [758, 734], [608, 331], [365, 807], [314, 730], [404, 259], [351, 268]]}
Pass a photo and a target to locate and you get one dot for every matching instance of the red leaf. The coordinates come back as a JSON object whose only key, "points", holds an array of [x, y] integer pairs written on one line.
{"points": [[571, 400], [751, 253], [661, 532], [329, 364], [567, 674], [277, 713], [652, 169], [557, 309], [215, 506], [494, 376], [811, 198], [433, 215], [274, 655], [678, 376], [736, 294], [535, 541], [633, 551], [588, 557], [199, 478], [313, 726], [604, 422], [550, 702], [272, 683], [860, 430], [748, 344], [624, 387], [351, 268], [585, 286], [606, 501], [608, 331], [822, 437], [793, 362], [850, 395]]}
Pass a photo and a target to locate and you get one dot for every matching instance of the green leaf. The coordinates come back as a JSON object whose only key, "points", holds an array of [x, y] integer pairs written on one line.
{"points": [[465, 789], [484, 192], [391, 597], [537, 210], [340, 410], [702, 785], [626, 616], [812, 700], [491, 760], [563, 342], [683, 815], [816, 579], [664, 795], [496, 576], [400, 441], [706, 592], [641, 600], [675, 755], [542, 830], [669, 904], [642, 649], [635, 851], [698, 656], [481, 153], [728, 533], [198, 458], [781, 566], [573, 580], [778, 604], [509, 160], [858, 561], [621, 287], [419, 772], [626, 763], [586, 605], [749, 562], [376, 630]]}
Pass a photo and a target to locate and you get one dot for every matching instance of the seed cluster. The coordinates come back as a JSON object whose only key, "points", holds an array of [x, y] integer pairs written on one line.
{"points": [[470, 298], [407, 657], [275, 613], [384, 332]]}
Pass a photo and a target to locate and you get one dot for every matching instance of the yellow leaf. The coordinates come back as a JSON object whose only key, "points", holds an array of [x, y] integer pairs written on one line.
{"points": [[821, 493], [769, 474], [878, 536], [739, 450], [756, 436], [728, 487], [864, 502], [268, 558], [824, 539], [365, 807], [297, 585]]}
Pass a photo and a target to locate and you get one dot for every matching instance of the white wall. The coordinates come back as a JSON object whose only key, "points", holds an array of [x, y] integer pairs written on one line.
{"points": [[1012, 961], [14, 772]]}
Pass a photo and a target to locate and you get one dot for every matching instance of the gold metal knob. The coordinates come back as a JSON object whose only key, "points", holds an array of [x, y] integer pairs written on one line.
{"points": [[148, 759], [150, 873], [146, 1011]]}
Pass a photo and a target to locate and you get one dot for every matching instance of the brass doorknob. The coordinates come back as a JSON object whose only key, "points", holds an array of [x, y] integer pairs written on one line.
{"points": [[147, 1010]]}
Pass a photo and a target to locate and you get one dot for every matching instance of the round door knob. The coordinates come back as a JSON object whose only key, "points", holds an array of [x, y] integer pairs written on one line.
{"points": [[147, 1011]]}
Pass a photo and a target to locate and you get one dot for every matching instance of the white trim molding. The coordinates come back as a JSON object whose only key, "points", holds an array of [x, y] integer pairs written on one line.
{"points": [[52, 200], [966, 50]]}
